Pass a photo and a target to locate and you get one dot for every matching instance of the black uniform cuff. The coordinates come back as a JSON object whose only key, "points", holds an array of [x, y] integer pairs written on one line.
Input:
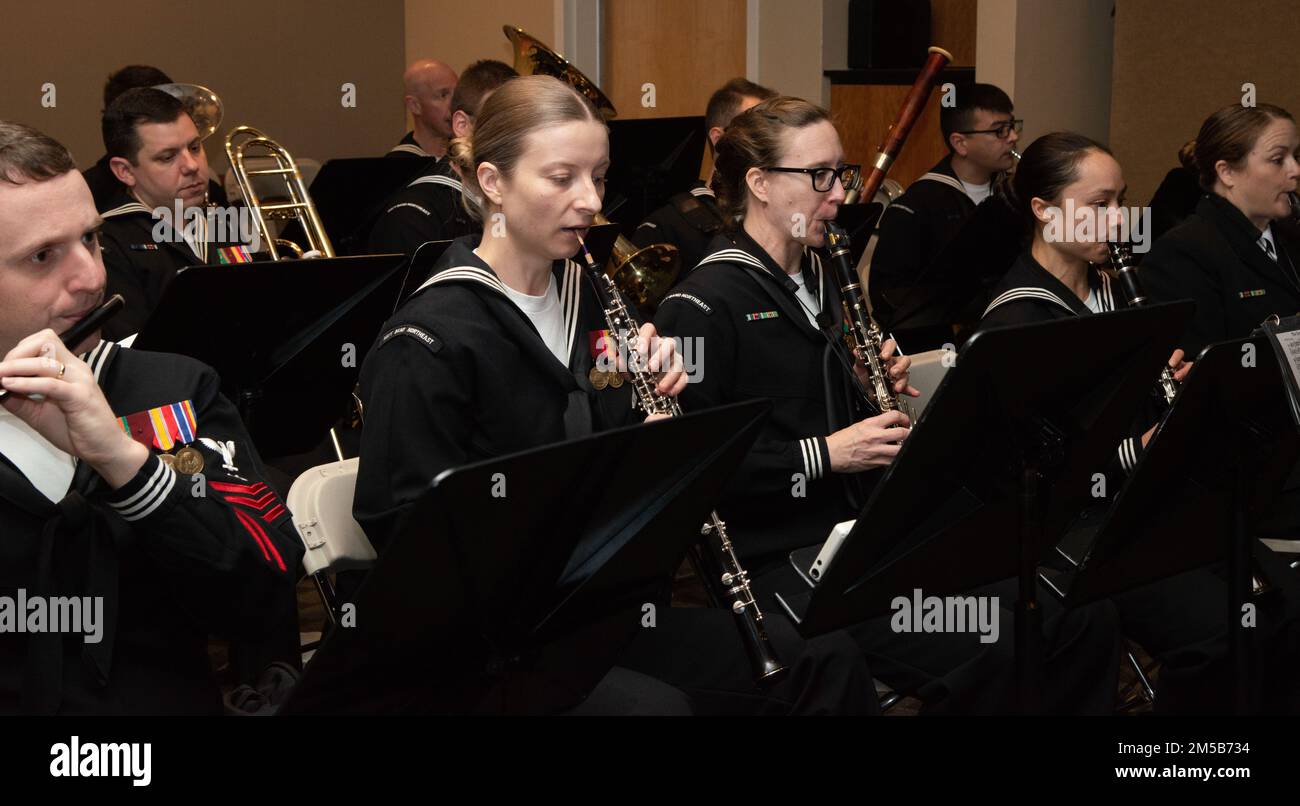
{"points": [[816, 457], [145, 493]]}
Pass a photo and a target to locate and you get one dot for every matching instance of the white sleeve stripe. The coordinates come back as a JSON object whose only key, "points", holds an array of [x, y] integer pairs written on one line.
{"points": [[152, 482], [812, 457], [160, 491]]}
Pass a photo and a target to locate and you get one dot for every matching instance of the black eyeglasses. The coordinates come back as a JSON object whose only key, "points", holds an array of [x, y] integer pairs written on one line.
{"points": [[1002, 129], [823, 179]]}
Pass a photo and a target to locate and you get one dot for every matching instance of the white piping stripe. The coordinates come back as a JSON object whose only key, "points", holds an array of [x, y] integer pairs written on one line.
{"points": [[1025, 293], [817, 271], [803, 448], [143, 493], [943, 179], [465, 273], [167, 485], [732, 254], [129, 207], [569, 297], [437, 179], [704, 191], [409, 148]]}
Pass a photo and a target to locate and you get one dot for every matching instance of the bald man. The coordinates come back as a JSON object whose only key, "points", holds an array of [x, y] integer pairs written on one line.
{"points": [[429, 85]]}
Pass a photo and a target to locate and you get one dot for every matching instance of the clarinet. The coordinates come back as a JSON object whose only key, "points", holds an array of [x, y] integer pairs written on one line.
{"points": [[867, 338], [1121, 260], [717, 557]]}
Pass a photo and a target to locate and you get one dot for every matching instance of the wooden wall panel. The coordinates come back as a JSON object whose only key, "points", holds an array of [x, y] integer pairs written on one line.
{"points": [[952, 27], [686, 48], [864, 112]]}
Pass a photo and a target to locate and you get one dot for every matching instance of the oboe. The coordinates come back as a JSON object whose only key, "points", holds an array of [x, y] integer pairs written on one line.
{"points": [[867, 338], [717, 557], [1121, 260]]}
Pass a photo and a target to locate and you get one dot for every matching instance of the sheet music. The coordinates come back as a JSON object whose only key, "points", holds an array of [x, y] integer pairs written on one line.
{"points": [[1289, 341]]}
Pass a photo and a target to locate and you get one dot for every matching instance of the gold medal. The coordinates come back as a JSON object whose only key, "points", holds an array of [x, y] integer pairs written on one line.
{"points": [[167, 459], [616, 379], [188, 461], [598, 379]]}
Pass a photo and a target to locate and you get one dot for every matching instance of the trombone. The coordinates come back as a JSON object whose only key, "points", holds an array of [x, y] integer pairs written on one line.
{"points": [[244, 141]]}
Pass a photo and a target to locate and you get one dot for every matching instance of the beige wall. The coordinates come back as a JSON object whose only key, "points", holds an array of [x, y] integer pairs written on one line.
{"points": [[1053, 59], [789, 46], [1176, 62], [278, 66], [460, 33]]}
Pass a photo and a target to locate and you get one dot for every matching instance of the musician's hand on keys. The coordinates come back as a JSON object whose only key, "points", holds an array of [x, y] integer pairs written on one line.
{"points": [[663, 359], [70, 410], [899, 368], [873, 442], [1179, 366]]}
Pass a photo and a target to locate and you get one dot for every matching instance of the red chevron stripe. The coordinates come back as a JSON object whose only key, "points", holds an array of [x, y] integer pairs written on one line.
{"points": [[256, 503], [251, 523], [273, 514], [237, 488], [248, 527]]}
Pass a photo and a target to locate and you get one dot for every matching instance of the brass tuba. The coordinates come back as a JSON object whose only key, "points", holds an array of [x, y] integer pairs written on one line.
{"points": [[644, 275], [245, 142]]}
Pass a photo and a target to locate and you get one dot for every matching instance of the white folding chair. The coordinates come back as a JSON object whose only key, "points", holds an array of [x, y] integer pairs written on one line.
{"points": [[927, 371], [321, 503]]}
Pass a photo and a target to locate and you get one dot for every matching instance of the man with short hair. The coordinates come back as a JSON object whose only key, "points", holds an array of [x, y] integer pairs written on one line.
{"points": [[429, 84], [429, 208], [980, 131], [127, 482], [155, 151], [690, 219], [104, 186]]}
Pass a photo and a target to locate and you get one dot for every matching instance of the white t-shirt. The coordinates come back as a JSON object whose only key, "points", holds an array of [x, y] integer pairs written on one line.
{"points": [[1092, 302], [545, 314], [977, 193], [45, 466], [811, 307]]}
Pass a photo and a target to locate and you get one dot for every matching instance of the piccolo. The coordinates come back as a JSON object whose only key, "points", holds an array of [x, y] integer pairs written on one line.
{"points": [[94, 321]]}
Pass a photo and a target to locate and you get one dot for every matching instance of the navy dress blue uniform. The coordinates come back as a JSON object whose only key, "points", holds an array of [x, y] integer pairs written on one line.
{"points": [[429, 208], [1180, 620], [460, 374], [914, 256], [173, 566], [689, 221], [407, 147], [1215, 259], [759, 343], [140, 264]]}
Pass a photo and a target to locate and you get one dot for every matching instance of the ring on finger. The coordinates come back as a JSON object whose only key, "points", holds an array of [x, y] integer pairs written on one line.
{"points": [[62, 368]]}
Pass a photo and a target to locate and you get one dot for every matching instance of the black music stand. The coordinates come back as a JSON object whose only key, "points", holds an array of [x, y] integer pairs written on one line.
{"points": [[278, 334], [1196, 493], [519, 581], [966, 501], [651, 160], [349, 195]]}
